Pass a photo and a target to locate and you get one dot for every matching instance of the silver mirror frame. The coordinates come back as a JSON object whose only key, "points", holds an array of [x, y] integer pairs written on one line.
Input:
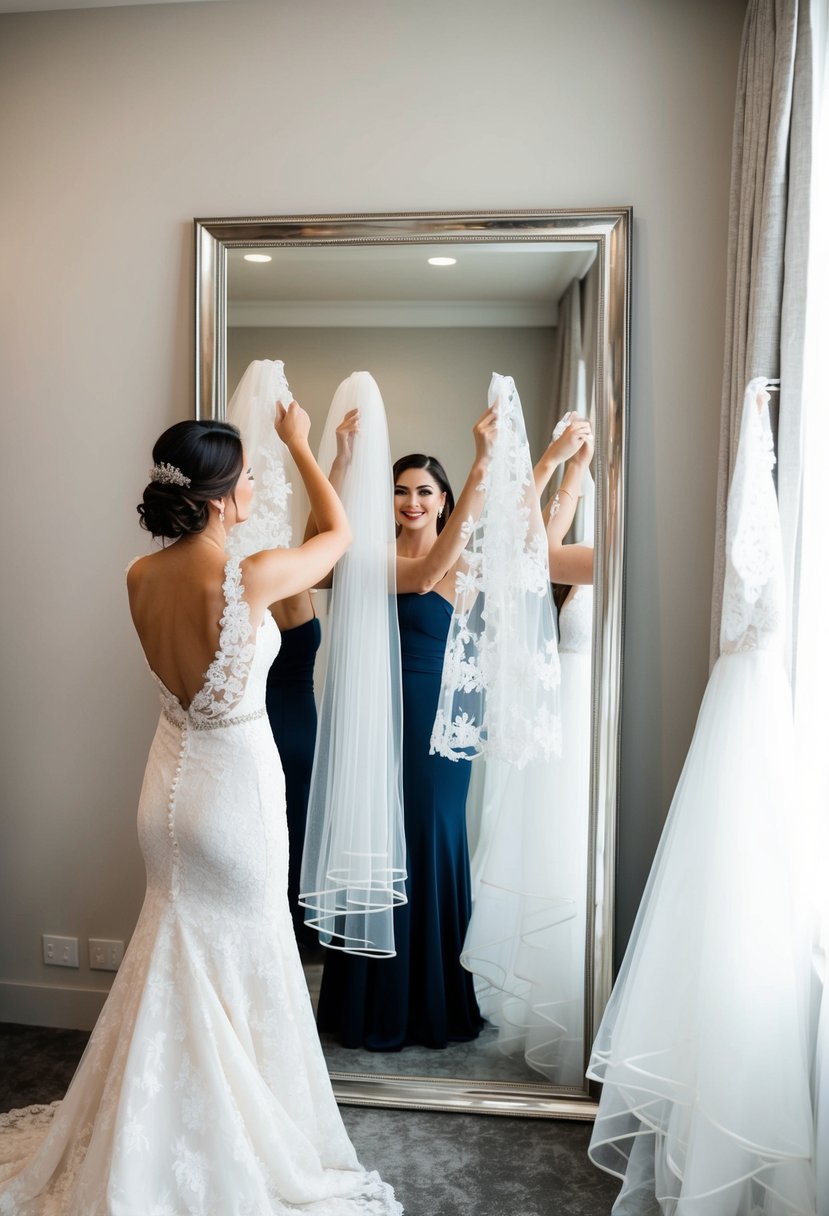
{"points": [[611, 230]]}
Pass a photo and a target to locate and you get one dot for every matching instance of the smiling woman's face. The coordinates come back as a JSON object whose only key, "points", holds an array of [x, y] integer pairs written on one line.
{"points": [[417, 500]]}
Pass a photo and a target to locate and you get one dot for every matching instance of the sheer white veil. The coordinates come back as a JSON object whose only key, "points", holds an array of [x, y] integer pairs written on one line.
{"points": [[354, 861], [499, 690], [252, 408]]}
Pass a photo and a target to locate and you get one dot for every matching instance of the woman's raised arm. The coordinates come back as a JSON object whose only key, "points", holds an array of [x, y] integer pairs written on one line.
{"points": [[421, 574], [559, 450], [571, 564], [275, 574]]}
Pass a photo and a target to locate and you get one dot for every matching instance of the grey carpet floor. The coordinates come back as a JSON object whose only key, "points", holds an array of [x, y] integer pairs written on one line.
{"points": [[479, 1060], [439, 1164]]}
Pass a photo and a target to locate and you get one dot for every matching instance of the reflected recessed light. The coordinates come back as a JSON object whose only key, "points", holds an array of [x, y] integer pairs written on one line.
{"points": [[442, 261], [258, 257]]}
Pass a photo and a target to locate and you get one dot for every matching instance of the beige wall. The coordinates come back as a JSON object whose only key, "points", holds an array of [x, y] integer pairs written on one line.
{"points": [[119, 126]]}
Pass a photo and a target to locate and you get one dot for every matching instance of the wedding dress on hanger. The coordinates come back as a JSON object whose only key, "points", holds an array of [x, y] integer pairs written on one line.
{"points": [[525, 941], [702, 1050]]}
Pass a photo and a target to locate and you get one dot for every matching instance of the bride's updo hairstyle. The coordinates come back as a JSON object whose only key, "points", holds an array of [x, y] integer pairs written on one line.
{"points": [[206, 453], [432, 466]]}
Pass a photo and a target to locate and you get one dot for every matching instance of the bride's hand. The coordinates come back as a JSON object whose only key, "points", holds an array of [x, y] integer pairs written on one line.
{"points": [[584, 454], [570, 440], [348, 428], [291, 424], [484, 432]]}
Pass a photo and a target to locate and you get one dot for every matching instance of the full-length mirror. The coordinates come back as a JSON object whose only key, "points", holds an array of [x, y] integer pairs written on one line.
{"points": [[511, 888]]}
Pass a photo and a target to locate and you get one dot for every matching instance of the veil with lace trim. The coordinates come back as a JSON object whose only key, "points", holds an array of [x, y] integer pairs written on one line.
{"points": [[499, 691], [252, 408]]}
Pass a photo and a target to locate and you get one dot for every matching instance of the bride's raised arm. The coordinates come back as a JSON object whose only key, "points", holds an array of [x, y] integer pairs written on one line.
{"points": [[421, 574], [560, 449], [274, 574], [345, 433], [569, 564]]}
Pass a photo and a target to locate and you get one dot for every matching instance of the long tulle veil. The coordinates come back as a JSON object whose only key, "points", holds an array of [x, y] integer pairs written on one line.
{"points": [[354, 861]]}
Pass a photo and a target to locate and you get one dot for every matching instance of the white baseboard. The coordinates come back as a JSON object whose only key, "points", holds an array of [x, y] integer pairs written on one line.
{"points": [[50, 1005]]}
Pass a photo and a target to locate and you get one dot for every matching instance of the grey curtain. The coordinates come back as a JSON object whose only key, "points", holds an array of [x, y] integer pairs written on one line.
{"points": [[767, 251], [574, 347], [567, 352], [589, 315]]}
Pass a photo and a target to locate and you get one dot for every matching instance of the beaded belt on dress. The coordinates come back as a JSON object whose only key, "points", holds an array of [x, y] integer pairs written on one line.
{"points": [[215, 723]]}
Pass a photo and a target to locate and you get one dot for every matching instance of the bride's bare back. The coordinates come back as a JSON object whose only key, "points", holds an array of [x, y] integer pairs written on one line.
{"points": [[176, 595], [176, 601]]}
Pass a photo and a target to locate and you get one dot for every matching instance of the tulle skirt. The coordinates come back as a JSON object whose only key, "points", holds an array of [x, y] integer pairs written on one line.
{"points": [[525, 942], [703, 1046]]}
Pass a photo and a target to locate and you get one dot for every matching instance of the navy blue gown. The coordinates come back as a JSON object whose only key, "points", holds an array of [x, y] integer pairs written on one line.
{"points": [[423, 995], [292, 711]]}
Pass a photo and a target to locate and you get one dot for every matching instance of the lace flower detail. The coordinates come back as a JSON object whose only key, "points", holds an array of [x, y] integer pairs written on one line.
{"points": [[226, 677], [499, 687], [753, 590]]}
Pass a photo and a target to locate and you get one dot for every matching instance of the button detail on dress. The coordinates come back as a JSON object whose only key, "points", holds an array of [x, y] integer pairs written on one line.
{"points": [[171, 811]]}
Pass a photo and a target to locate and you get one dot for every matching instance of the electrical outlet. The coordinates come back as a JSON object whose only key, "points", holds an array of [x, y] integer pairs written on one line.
{"points": [[105, 955], [60, 951]]}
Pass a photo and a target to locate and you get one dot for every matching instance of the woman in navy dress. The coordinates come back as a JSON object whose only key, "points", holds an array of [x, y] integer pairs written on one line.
{"points": [[292, 712], [422, 995]]}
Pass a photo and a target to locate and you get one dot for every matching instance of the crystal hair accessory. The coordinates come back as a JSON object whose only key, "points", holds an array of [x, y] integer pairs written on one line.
{"points": [[168, 474]]}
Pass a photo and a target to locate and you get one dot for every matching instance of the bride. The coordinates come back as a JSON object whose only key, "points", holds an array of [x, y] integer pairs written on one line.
{"points": [[203, 1089]]}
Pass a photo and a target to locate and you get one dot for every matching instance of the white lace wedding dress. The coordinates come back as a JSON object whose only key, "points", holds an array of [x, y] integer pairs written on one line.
{"points": [[705, 1106], [203, 1090], [525, 941]]}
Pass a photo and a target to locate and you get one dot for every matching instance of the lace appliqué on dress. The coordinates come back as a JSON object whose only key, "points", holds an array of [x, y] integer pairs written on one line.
{"points": [[226, 677], [21, 1133], [499, 690], [753, 589]]}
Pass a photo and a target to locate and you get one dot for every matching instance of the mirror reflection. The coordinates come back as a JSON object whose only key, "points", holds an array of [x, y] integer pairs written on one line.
{"points": [[488, 976]]}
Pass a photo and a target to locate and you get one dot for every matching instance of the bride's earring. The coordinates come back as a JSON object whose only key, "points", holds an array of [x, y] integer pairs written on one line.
{"points": [[222, 514]]}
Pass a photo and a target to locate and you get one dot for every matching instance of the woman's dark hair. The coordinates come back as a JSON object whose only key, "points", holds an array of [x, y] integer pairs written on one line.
{"points": [[436, 470], [560, 593], [210, 454]]}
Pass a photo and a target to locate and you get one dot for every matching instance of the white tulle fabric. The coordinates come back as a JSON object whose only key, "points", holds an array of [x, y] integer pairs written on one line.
{"points": [[354, 860], [525, 942], [252, 408], [500, 685], [203, 1089], [703, 1046]]}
